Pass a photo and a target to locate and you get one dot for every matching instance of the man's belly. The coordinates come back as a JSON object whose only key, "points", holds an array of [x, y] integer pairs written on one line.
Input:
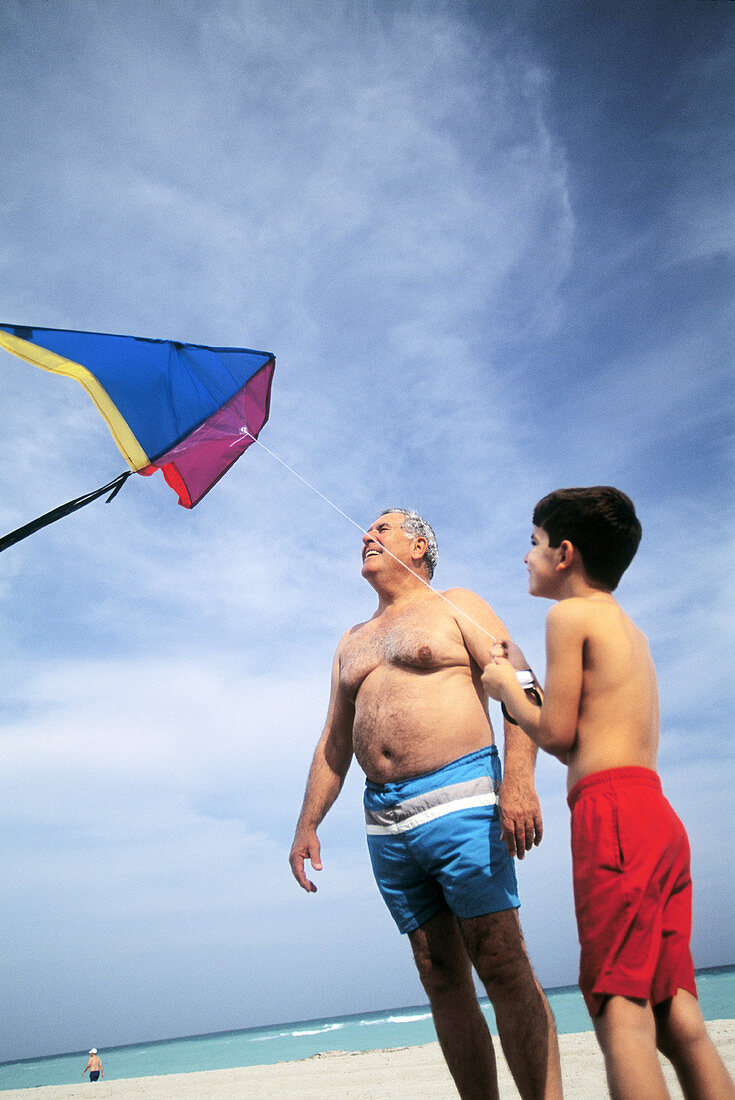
{"points": [[399, 735]]}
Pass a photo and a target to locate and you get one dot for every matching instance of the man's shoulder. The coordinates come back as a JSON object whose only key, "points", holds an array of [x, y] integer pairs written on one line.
{"points": [[353, 631], [463, 597]]}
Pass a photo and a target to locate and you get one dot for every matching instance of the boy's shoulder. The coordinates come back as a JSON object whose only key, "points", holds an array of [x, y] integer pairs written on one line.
{"points": [[573, 610], [582, 615], [599, 617]]}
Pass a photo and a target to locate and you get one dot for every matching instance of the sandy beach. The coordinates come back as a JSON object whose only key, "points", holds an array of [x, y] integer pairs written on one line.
{"points": [[413, 1073]]}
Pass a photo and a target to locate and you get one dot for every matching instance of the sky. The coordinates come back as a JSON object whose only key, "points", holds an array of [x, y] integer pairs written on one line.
{"points": [[492, 249]]}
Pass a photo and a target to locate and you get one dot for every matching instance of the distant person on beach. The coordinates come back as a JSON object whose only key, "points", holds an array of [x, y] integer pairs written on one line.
{"points": [[630, 852], [94, 1065], [407, 701]]}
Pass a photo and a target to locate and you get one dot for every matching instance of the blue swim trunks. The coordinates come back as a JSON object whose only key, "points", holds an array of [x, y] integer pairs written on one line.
{"points": [[434, 841]]}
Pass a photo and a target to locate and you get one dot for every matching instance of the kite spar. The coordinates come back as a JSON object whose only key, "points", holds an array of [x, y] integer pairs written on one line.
{"points": [[186, 409]]}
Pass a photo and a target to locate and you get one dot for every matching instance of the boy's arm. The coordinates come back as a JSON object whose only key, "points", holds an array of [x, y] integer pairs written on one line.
{"points": [[565, 640], [554, 725]]}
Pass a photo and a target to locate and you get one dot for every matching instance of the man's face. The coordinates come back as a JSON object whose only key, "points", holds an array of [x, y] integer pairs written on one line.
{"points": [[386, 534]]}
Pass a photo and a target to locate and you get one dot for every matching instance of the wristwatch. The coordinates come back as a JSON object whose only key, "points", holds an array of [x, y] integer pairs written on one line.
{"points": [[528, 682]]}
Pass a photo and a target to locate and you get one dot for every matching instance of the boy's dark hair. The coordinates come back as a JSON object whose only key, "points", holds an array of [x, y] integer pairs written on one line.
{"points": [[600, 521]]}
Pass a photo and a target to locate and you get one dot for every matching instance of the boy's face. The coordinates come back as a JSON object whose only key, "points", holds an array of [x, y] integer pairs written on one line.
{"points": [[542, 561]]}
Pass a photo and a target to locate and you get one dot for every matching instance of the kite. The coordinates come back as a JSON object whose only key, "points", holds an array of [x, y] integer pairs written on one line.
{"points": [[186, 409]]}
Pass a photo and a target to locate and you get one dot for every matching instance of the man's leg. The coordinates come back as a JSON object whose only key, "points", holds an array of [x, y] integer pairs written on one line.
{"points": [[682, 1037], [461, 1028], [525, 1025], [626, 1031]]}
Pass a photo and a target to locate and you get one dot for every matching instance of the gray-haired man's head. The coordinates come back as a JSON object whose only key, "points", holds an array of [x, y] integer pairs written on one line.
{"points": [[414, 526]]}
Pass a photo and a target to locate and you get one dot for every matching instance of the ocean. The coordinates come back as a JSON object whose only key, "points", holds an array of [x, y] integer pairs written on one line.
{"points": [[402, 1027]]}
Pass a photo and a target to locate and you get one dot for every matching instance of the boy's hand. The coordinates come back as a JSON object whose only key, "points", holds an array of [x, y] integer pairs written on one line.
{"points": [[499, 672]]}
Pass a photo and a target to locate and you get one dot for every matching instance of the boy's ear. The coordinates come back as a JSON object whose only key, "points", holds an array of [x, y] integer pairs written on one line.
{"points": [[565, 551]]}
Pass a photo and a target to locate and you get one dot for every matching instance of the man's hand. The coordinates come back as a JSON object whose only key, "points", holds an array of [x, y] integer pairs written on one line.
{"points": [[520, 816], [514, 653], [305, 846]]}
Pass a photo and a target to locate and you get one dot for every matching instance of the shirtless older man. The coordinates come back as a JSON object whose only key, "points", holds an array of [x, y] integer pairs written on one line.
{"points": [[407, 701]]}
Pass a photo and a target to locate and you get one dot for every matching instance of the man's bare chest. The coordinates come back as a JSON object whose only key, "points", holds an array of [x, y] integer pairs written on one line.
{"points": [[404, 645]]}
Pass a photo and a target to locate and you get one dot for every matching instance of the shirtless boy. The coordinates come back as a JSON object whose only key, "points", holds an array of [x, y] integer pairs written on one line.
{"points": [[630, 853], [407, 701]]}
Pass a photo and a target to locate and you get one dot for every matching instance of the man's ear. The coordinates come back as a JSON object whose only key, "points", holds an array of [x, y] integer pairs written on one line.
{"points": [[420, 545]]}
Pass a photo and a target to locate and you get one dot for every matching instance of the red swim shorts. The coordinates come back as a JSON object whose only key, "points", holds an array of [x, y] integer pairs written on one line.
{"points": [[632, 889]]}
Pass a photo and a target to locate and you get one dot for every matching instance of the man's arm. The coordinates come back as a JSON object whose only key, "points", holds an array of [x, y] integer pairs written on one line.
{"points": [[520, 809], [332, 758]]}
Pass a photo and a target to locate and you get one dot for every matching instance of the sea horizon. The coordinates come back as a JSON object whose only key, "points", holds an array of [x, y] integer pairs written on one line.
{"points": [[294, 1040]]}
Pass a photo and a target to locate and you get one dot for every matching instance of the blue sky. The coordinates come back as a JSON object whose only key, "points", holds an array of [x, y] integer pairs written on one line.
{"points": [[492, 249]]}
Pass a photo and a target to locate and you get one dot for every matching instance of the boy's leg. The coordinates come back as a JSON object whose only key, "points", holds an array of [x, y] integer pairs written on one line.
{"points": [[626, 1032], [682, 1037]]}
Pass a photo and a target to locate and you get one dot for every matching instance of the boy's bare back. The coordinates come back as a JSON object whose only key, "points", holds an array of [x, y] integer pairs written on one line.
{"points": [[600, 672]]}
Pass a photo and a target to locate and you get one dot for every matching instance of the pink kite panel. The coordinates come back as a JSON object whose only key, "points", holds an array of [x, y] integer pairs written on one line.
{"points": [[195, 464]]}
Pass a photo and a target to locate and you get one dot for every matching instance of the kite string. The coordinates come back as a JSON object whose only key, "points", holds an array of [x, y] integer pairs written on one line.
{"points": [[354, 523]]}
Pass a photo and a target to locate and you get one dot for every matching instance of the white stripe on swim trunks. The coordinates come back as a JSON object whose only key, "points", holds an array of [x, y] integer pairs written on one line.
{"points": [[354, 523], [428, 805], [432, 814]]}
